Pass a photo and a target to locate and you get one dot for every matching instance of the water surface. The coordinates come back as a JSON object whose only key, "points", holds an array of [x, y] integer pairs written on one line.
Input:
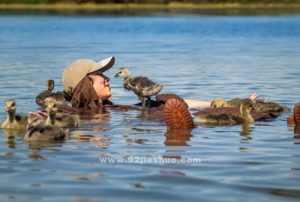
{"points": [[195, 56]]}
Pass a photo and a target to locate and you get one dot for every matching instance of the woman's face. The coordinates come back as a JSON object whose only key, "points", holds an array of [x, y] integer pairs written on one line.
{"points": [[101, 85]]}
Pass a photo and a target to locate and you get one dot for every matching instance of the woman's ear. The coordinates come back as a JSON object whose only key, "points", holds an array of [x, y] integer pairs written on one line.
{"points": [[91, 78]]}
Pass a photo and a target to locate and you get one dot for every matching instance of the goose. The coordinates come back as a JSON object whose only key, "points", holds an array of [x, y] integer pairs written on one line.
{"points": [[35, 119], [261, 106], [63, 120], [220, 102], [273, 108], [142, 86], [13, 120], [38, 132], [227, 115], [58, 96]]}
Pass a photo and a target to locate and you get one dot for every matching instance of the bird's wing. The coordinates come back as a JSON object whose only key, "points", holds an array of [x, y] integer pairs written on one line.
{"points": [[152, 90], [141, 81], [127, 86], [145, 87], [21, 119]]}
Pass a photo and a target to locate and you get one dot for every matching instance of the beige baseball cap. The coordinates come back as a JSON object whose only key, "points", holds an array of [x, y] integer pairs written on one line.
{"points": [[77, 70]]}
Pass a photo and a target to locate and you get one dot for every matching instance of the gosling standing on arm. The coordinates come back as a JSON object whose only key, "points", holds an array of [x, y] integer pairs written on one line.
{"points": [[142, 86]]}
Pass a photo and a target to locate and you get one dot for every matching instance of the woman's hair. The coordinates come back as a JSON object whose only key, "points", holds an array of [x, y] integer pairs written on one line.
{"points": [[85, 97]]}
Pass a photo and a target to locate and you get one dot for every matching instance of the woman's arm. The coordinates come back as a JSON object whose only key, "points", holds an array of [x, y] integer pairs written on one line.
{"points": [[206, 104], [197, 103]]}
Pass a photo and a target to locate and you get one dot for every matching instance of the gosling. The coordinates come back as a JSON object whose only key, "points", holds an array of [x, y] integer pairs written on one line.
{"points": [[58, 96], [142, 86], [227, 115], [13, 120], [38, 132], [63, 120]]}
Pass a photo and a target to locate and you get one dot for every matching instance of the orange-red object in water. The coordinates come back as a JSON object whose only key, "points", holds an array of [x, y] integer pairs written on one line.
{"points": [[290, 120], [297, 132], [177, 115], [297, 114]]}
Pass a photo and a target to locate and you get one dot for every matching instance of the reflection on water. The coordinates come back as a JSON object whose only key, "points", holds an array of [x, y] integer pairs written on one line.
{"points": [[177, 137], [11, 136], [245, 129], [297, 132], [195, 56]]}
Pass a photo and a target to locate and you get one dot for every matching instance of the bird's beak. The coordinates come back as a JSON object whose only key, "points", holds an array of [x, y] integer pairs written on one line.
{"points": [[117, 75]]}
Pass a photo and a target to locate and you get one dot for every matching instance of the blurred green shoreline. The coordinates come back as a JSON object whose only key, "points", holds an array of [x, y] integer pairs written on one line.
{"points": [[131, 8], [147, 6]]}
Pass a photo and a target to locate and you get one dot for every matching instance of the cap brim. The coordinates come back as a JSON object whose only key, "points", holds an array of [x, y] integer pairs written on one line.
{"points": [[103, 65]]}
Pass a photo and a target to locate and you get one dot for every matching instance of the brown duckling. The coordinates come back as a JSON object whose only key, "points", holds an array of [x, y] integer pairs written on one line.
{"points": [[220, 102], [142, 86], [226, 115], [38, 132], [260, 106], [35, 119], [63, 120], [13, 120], [273, 108], [58, 96]]}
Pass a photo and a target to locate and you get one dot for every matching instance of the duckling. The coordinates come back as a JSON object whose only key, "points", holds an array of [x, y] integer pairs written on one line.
{"points": [[58, 96], [142, 86], [220, 102], [35, 119], [63, 120], [38, 132], [13, 121], [273, 108], [227, 115], [261, 106]]}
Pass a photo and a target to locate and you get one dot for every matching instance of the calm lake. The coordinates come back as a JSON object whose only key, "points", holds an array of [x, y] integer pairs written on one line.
{"points": [[196, 56]]}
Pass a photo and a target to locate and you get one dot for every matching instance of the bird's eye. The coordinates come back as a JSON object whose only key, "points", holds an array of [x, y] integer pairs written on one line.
{"points": [[54, 105], [13, 104]]}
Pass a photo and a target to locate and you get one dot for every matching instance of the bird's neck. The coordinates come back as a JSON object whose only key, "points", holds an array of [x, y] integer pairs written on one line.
{"points": [[246, 114], [51, 118], [11, 116], [127, 78]]}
